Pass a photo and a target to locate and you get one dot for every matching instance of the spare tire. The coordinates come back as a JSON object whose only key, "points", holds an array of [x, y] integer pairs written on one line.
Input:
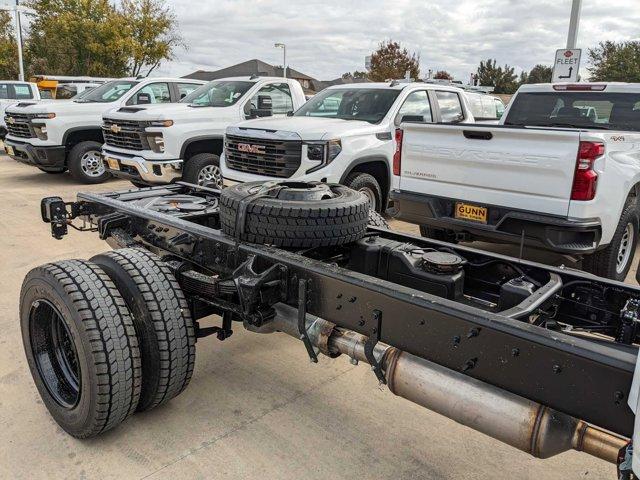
{"points": [[294, 214]]}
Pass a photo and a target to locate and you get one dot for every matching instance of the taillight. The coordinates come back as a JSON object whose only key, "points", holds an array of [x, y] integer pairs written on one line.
{"points": [[397, 155], [585, 178]]}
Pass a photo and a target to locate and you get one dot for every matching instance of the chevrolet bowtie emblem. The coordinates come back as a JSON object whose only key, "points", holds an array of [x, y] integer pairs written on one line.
{"points": [[116, 128], [11, 120]]}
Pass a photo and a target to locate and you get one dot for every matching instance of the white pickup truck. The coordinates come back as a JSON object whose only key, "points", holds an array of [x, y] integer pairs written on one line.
{"points": [[58, 135], [560, 171], [11, 92], [157, 144], [345, 134]]}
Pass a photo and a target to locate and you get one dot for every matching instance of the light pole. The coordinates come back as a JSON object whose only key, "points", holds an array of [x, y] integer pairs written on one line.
{"points": [[16, 9], [574, 23], [284, 59]]}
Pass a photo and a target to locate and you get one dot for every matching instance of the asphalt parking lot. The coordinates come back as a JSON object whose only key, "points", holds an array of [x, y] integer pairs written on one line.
{"points": [[255, 409]]}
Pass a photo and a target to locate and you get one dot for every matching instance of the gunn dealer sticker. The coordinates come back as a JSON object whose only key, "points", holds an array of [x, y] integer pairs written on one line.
{"points": [[465, 211]]}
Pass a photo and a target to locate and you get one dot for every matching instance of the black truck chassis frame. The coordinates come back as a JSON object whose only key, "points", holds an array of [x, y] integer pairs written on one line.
{"points": [[586, 379]]}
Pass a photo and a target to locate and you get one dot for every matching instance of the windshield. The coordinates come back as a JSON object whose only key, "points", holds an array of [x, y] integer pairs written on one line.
{"points": [[370, 104], [109, 92], [595, 110], [218, 93]]}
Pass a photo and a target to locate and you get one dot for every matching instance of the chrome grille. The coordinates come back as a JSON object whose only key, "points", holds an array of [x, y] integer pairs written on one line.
{"points": [[124, 134], [281, 158], [19, 125]]}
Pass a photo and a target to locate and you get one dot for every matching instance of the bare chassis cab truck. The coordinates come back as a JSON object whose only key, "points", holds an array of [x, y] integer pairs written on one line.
{"points": [[541, 358]]}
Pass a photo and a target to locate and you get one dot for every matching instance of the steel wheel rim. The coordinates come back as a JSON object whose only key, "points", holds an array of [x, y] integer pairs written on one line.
{"points": [[55, 353], [370, 194], [624, 251], [92, 164], [210, 174]]}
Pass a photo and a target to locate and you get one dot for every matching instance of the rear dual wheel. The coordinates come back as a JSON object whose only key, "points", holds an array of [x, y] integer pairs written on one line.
{"points": [[106, 338]]}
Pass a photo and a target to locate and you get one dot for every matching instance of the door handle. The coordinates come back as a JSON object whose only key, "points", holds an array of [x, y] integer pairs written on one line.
{"points": [[477, 135]]}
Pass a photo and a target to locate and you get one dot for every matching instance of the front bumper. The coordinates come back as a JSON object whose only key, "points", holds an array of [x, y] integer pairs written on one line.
{"points": [[138, 169], [45, 157], [560, 234]]}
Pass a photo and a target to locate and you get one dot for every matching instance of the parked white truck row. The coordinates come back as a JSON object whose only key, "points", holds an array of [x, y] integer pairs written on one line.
{"points": [[559, 170]]}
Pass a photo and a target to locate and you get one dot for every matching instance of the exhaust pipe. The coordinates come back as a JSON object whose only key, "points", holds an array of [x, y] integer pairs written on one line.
{"points": [[505, 416]]}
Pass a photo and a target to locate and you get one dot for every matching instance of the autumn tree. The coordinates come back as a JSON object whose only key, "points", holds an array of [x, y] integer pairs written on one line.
{"points": [[77, 37], [503, 80], [538, 74], [152, 33], [391, 61], [354, 74], [100, 38], [615, 62], [8, 48], [443, 75]]}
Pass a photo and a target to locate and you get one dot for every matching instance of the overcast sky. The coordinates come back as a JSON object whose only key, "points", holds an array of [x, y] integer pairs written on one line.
{"points": [[327, 38]]}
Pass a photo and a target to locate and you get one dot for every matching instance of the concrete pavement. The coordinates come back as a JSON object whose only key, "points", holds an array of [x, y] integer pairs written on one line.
{"points": [[256, 408]]}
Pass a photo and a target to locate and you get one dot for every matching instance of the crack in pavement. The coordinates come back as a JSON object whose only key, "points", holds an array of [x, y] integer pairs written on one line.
{"points": [[246, 423]]}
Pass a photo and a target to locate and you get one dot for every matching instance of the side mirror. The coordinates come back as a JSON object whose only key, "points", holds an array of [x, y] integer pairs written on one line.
{"points": [[182, 95], [408, 118], [143, 98], [290, 113]]}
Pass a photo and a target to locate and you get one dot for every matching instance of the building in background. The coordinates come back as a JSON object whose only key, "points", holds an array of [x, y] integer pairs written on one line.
{"points": [[256, 67]]}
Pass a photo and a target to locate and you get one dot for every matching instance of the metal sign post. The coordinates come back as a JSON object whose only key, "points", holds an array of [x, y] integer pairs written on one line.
{"points": [[15, 7]]}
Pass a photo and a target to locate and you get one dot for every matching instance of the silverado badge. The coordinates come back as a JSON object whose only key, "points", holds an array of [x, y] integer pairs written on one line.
{"points": [[257, 149]]}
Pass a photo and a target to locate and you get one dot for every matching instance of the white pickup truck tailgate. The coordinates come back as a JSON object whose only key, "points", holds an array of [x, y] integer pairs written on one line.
{"points": [[520, 168]]}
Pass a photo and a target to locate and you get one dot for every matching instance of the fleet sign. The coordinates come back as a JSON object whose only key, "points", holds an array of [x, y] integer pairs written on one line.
{"points": [[566, 65]]}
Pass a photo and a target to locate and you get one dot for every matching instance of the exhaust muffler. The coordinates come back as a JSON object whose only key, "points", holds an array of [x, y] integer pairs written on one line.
{"points": [[524, 424]]}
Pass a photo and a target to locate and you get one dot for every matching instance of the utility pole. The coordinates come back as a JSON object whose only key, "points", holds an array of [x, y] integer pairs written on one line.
{"points": [[19, 41], [574, 23], [17, 9], [284, 60]]}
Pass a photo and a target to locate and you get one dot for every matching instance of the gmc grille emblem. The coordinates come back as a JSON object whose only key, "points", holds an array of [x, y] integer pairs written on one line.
{"points": [[115, 128], [257, 149]]}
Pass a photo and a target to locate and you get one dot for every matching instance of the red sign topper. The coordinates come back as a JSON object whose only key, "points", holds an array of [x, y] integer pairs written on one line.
{"points": [[568, 53]]}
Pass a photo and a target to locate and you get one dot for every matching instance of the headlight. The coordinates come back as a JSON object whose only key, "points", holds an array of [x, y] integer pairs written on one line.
{"points": [[40, 131], [156, 142], [334, 147], [323, 152], [44, 115], [161, 123]]}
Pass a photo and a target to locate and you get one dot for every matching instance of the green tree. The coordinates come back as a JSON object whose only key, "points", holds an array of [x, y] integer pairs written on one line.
{"points": [[538, 74], [354, 74], [8, 48], [153, 34], [77, 37], [503, 80], [391, 61], [615, 62], [443, 75]]}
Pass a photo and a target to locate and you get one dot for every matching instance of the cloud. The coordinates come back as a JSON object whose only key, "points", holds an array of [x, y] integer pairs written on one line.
{"points": [[327, 38]]}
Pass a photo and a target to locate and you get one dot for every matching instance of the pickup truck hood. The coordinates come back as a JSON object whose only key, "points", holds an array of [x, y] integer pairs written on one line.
{"points": [[178, 112], [312, 128], [57, 106]]}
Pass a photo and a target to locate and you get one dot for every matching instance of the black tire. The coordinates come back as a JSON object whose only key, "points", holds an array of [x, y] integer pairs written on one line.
{"points": [[193, 168], [75, 161], [604, 263], [438, 234], [161, 318], [52, 170], [367, 184], [377, 220], [296, 223], [78, 299]]}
